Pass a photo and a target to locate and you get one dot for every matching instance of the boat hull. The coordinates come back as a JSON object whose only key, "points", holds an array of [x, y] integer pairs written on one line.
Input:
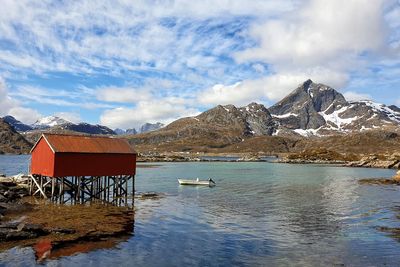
{"points": [[195, 182]]}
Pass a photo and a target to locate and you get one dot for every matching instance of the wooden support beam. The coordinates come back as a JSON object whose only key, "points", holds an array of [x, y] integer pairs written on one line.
{"points": [[39, 186], [109, 189]]}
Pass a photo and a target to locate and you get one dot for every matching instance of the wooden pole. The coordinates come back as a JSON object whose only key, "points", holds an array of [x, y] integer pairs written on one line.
{"points": [[126, 189], [53, 184], [62, 189], [91, 187], [79, 187], [41, 183], [39, 188], [105, 187], [30, 185], [133, 185]]}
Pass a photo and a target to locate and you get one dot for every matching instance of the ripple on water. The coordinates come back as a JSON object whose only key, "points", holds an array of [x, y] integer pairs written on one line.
{"points": [[258, 214]]}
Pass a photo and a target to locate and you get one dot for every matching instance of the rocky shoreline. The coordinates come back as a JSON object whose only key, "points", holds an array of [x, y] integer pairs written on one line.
{"points": [[365, 162], [186, 157], [11, 194], [391, 161], [57, 230]]}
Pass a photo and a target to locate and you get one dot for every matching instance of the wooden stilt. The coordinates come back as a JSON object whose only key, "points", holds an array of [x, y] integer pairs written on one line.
{"points": [[116, 189], [38, 184], [78, 188], [52, 187]]}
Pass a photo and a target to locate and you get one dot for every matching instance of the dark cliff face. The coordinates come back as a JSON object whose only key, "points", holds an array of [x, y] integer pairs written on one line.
{"points": [[395, 108], [252, 120], [310, 96], [16, 124], [88, 128], [11, 141], [301, 109], [258, 120], [148, 127], [131, 131]]}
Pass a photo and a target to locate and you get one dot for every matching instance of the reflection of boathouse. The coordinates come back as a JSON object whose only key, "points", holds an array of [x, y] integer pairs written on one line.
{"points": [[86, 167]]}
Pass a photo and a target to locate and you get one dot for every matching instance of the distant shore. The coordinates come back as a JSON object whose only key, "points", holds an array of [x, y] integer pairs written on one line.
{"points": [[389, 161], [385, 161]]}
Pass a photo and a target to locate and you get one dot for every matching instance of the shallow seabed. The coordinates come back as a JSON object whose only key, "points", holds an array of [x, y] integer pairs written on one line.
{"points": [[259, 214]]}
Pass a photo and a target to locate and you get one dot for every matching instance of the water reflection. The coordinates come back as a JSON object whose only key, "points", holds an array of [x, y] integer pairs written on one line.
{"points": [[259, 214], [69, 229]]}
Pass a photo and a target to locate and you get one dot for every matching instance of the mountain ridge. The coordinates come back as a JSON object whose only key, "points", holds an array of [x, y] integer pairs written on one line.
{"points": [[311, 110], [11, 141]]}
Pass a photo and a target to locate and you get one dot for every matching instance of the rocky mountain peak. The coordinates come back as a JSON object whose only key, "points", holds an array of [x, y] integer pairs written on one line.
{"points": [[253, 119], [148, 127], [11, 141], [301, 108], [394, 108], [317, 109], [222, 115], [312, 109], [306, 84], [48, 122], [16, 124]]}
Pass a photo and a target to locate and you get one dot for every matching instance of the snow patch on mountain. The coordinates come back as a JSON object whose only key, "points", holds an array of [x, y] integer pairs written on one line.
{"points": [[287, 115], [307, 132], [377, 107], [335, 118], [48, 122]]}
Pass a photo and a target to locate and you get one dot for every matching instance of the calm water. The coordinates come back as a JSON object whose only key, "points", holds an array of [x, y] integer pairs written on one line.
{"points": [[259, 214]]}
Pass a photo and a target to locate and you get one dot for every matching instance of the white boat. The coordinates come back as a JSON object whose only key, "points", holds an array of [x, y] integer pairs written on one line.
{"points": [[208, 182]]}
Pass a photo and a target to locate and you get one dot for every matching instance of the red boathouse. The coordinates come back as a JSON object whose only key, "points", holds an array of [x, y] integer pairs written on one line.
{"points": [[81, 163]]}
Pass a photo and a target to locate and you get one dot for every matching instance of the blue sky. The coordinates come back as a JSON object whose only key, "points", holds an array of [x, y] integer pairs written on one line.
{"points": [[123, 63]]}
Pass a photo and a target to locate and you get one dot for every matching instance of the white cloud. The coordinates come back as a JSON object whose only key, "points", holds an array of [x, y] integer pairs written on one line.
{"points": [[82, 97], [354, 96], [318, 33], [25, 115], [123, 95], [259, 68], [237, 94], [84, 36], [324, 40], [272, 87], [5, 101], [8, 106], [187, 45], [164, 111]]}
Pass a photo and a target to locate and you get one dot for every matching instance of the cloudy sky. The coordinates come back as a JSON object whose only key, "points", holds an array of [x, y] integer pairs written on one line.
{"points": [[122, 63]]}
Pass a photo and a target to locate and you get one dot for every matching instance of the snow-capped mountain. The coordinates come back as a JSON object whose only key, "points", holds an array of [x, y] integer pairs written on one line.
{"points": [[147, 127], [317, 109], [119, 131], [50, 121], [310, 110], [54, 124], [87, 128]]}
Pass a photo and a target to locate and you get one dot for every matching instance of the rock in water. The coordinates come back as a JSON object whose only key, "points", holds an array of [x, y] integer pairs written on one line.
{"points": [[397, 176]]}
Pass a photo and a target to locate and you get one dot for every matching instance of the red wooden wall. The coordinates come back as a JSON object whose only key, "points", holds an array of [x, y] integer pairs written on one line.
{"points": [[42, 161], [94, 164]]}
